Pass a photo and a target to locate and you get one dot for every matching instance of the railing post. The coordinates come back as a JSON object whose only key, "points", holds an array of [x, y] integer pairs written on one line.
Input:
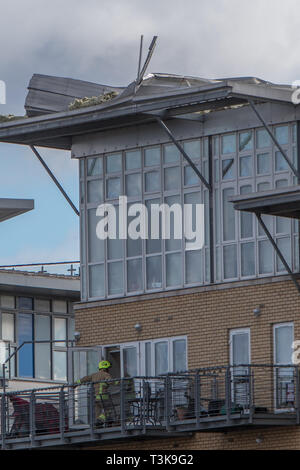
{"points": [[144, 407], [251, 394], [32, 418], [91, 403], [3, 420], [167, 402], [62, 414], [197, 393], [122, 407], [228, 393], [297, 395]]}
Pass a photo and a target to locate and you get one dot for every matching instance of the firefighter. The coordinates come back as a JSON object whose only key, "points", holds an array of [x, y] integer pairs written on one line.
{"points": [[103, 402]]}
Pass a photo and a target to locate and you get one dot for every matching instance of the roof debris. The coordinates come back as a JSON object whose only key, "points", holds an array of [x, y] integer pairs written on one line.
{"points": [[10, 117], [92, 101]]}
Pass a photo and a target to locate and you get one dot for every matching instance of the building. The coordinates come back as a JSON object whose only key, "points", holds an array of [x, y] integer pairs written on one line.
{"points": [[35, 308], [228, 312]]}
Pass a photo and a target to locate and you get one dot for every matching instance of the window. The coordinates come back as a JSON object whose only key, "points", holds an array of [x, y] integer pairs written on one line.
{"points": [[283, 335], [242, 162], [150, 357], [49, 321]]}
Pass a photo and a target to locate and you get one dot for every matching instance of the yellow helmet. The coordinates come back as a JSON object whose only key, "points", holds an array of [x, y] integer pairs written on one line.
{"points": [[104, 365]]}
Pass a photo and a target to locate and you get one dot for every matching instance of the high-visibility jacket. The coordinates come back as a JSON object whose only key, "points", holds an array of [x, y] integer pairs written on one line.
{"points": [[100, 385]]}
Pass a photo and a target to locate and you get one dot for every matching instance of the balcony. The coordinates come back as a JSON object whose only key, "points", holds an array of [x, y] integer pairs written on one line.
{"points": [[212, 399]]}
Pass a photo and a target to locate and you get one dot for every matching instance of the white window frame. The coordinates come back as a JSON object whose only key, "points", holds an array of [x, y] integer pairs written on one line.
{"points": [[275, 327]]}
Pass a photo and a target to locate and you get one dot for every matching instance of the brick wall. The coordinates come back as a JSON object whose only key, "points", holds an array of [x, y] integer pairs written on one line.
{"points": [[205, 317]]}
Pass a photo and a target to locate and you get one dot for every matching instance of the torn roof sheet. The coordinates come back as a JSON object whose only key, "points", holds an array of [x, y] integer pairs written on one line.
{"points": [[51, 123]]}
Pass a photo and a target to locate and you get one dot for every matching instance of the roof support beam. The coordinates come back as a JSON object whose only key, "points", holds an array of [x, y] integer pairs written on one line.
{"points": [[271, 134], [280, 255], [183, 153], [36, 153]]}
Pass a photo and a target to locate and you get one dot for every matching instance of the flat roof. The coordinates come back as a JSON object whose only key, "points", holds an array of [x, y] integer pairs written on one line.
{"points": [[283, 202], [12, 207], [163, 94], [44, 284]]}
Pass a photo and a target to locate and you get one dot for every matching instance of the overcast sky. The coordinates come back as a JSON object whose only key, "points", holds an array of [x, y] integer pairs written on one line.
{"points": [[98, 41]]}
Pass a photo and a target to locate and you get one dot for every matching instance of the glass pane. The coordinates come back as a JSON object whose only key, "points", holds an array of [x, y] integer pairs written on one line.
{"points": [[283, 344], [247, 259], [94, 166], [161, 358], [228, 215], [282, 134], [133, 184], [171, 154], [95, 245], [190, 176], [60, 331], [134, 275], [7, 301], [263, 163], [133, 160], [216, 146], [230, 261], [280, 163], [173, 269], [153, 245], [95, 191], [179, 355], [8, 327], [42, 350], [134, 247], [172, 244], [42, 305], [115, 246], [193, 267], [154, 272], [130, 362], [115, 278], [59, 306], [246, 218], [172, 178], [245, 141], [284, 245], [246, 166], [148, 359], [96, 280], [59, 365], [193, 149], [152, 156], [228, 144], [265, 257], [240, 348], [113, 188], [262, 139], [25, 355], [283, 224], [114, 163], [228, 169], [152, 181], [26, 303]]}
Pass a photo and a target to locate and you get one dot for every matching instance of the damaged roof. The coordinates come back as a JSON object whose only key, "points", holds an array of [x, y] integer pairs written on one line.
{"points": [[50, 121]]}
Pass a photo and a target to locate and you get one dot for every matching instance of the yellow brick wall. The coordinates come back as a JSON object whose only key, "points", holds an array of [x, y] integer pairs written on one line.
{"points": [[205, 317]]}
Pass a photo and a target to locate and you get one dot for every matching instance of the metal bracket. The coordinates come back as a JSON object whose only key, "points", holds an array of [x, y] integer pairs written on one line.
{"points": [[54, 179], [280, 255], [183, 152], [268, 129]]}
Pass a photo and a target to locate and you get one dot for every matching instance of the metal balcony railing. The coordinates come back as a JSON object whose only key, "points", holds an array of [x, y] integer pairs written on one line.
{"points": [[208, 399]]}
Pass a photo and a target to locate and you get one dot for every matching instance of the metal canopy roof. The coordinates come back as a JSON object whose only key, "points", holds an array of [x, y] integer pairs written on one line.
{"points": [[12, 207], [163, 94], [279, 202]]}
